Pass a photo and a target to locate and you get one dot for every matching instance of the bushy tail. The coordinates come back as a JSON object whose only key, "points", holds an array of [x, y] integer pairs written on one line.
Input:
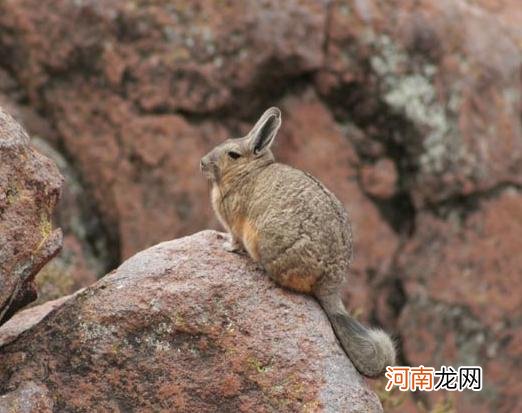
{"points": [[370, 350]]}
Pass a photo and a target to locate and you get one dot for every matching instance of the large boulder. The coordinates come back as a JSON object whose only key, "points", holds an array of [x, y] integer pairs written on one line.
{"points": [[86, 253], [29, 189], [183, 326]]}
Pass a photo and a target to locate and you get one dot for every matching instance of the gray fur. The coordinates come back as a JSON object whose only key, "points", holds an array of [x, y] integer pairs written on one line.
{"points": [[295, 228]]}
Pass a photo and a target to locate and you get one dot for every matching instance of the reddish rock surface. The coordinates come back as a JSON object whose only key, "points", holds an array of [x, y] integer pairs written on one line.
{"points": [[463, 279], [85, 254], [28, 318], [186, 326], [29, 189], [30, 397], [438, 83], [380, 179]]}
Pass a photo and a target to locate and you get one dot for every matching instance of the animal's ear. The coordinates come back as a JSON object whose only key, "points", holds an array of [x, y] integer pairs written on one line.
{"points": [[264, 131]]}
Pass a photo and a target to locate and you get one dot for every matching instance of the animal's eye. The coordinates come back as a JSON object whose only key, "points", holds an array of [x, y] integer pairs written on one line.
{"points": [[234, 155]]}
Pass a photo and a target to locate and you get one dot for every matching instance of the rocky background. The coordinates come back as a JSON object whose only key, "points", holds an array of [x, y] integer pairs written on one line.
{"points": [[410, 111]]}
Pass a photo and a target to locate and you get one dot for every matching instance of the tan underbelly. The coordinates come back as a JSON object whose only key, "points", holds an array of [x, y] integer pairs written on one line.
{"points": [[249, 237]]}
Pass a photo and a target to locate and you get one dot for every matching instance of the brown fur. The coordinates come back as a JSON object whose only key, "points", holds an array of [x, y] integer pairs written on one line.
{"points": [[301, 282], [294, 227]]}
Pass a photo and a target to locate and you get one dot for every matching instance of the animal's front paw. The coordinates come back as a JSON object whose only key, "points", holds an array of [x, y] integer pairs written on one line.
{"points": [[232, 246]]}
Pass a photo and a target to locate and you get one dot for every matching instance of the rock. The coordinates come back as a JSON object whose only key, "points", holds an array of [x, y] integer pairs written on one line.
{"points": [[87, 251], [78, 217], [30, 397], [437, 84], [187, 326], [66, 273], [194, 57], [29, 189], [136, 165], [462, 278], [380, 179], [85, 254], [27, 318]]}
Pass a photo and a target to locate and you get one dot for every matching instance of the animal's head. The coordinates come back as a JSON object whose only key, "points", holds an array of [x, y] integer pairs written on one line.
{"points": [[237, 157]]}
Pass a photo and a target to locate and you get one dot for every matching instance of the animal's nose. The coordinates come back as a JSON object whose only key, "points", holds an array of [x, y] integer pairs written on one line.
{"points": [[202, 164]]}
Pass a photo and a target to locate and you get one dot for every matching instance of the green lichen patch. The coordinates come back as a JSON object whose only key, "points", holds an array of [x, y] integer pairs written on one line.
{"points": [[408, 87]]}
